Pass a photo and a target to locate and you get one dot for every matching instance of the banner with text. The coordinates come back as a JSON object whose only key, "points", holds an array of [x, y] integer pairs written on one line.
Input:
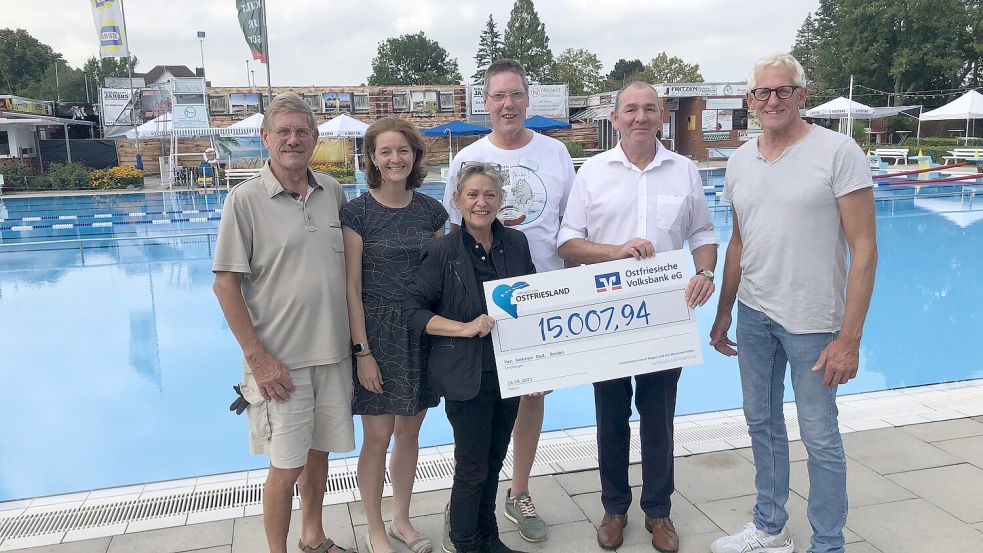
{"points": [[108, 18], [251, 15], [548, 100]]}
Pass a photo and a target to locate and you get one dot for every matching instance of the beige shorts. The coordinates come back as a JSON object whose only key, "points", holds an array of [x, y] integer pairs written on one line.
{"points": [[318, 415]]}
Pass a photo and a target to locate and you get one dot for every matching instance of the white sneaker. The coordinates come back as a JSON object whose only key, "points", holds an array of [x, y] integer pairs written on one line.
{"points": [[752, 540]]}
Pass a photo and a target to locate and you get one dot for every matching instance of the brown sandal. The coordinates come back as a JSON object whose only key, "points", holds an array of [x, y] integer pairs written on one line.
{"points": [[323, 548], [421, 544]]}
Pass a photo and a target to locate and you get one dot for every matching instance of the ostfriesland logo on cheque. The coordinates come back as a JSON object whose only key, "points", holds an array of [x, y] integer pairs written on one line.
{"points": [[503, 296]]}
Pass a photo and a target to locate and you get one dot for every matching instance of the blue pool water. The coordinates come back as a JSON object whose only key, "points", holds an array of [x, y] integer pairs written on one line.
{"points": [[118, 366]]}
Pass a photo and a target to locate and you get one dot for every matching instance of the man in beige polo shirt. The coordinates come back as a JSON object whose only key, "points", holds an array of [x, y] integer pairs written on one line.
{"points": [[280, 279]]}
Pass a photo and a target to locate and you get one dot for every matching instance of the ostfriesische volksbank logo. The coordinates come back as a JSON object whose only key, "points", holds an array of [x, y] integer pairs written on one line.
{"points": [[607, 281]]}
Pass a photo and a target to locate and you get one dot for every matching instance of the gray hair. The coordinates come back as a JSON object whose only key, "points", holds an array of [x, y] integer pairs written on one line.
{"points": [[475, 168], [506, 66], [636, 84], [777, 59], [288, 102]]}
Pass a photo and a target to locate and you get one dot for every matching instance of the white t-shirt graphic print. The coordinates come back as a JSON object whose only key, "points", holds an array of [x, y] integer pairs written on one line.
{"points": [[540, 175]]}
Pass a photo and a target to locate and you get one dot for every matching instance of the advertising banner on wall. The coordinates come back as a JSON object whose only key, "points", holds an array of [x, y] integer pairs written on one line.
{"points": [[115, 107], [702, 89], [24, 105], [548, 100]]}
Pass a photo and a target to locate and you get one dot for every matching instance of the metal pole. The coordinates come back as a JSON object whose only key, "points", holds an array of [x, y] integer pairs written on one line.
{"points": [[85, 77], [138, 161], [918, 132], [247, 75], [57, 85], [849, 111], [68, 145], [266, 42], [201, 43]]}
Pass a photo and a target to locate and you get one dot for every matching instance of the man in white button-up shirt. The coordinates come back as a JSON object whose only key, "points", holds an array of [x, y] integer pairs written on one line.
{"points": [[634, 200]]}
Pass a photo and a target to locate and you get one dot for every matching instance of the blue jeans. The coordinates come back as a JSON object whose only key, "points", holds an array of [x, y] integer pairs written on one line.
{"points": [[764, 349]]}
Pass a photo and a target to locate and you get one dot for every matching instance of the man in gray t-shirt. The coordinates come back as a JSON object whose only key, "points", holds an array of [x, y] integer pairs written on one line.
{"points": [[802, 202]]}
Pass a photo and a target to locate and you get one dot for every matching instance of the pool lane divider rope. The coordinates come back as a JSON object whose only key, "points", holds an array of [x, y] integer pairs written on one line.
{"points": [[106, 224], [132, 214]]}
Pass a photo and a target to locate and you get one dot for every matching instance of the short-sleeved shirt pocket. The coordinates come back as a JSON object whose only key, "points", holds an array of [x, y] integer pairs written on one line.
{"points": [[669, 211]]}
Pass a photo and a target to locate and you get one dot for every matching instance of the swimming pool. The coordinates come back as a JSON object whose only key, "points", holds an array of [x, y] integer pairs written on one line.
{"points": [[118, 365]]}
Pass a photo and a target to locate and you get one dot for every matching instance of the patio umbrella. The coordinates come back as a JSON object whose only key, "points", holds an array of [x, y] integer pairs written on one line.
{"points": [[540, 123], [968, 106], [344, 126], [840, 108], [452, 129]]}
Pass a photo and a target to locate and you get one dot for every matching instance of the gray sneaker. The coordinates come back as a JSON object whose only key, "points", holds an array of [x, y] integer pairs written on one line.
{"points": [[522, 512], [446, 544]]}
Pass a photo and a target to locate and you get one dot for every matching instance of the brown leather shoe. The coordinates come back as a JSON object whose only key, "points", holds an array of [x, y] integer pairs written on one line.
{"points": [[611, 533], [664, 538]]}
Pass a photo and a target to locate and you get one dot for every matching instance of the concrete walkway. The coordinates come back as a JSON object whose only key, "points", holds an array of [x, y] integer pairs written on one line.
{"points": [[912, 489]]}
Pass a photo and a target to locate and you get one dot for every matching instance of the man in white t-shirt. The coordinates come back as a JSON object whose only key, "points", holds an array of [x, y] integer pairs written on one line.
{"points": [[634, 200], [802, 201], [540, 174]]}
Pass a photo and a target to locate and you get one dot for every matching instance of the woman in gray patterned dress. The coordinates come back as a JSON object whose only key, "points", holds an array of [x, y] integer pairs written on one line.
{"points": [[385, 230]]}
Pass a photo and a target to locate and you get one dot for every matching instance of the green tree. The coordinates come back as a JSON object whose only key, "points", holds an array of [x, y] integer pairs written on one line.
{"points": [[899, 46], [489, 49], [666, 69], [526, 41], [624, 72], [68, 85], [581, 69], [23, 60], [806, 48], [99, 69], [413, 59]]}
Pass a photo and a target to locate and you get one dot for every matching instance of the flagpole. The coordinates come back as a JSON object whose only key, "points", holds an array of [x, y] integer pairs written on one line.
{"points": [[266, 43], [138, 160]]}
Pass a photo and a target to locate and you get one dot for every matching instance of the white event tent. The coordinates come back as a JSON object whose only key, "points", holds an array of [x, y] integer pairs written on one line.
{"points": [[155, 128], [966, 107]]}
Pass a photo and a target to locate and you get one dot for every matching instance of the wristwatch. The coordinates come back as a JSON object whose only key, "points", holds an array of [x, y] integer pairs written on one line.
{"points": [[361, 348], [707, 273]]}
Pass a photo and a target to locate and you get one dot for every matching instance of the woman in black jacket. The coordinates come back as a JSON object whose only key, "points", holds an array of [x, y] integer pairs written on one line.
{"points": [[447, 301]]}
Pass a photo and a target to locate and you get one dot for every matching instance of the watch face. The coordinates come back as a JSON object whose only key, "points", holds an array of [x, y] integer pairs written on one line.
{"points": [[358, 348]]}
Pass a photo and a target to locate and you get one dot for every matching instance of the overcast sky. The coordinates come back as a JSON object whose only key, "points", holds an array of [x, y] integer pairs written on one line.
{"points": [[332, 42]]}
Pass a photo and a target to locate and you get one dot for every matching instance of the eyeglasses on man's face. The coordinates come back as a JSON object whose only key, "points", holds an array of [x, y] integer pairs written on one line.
{"points": [[517, 96], [302, 133], [783, 92], [481, 164]]}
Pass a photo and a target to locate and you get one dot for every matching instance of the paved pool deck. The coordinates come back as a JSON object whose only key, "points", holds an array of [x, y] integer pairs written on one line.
{"points": [[915, 477]]}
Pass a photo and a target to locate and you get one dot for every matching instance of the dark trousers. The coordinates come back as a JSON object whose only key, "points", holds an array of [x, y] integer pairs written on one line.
{"points": [[482, 428], [655, 400]]}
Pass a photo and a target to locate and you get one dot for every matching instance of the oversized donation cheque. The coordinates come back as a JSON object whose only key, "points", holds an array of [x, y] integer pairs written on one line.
{"points": [[592, 323]]}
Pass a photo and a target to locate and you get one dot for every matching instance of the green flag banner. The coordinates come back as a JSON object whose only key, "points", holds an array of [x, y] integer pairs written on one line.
{"points": [[251, 20]]}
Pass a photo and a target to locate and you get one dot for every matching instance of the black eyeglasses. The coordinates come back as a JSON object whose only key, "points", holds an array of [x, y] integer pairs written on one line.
{"points": [[783, 92]]}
